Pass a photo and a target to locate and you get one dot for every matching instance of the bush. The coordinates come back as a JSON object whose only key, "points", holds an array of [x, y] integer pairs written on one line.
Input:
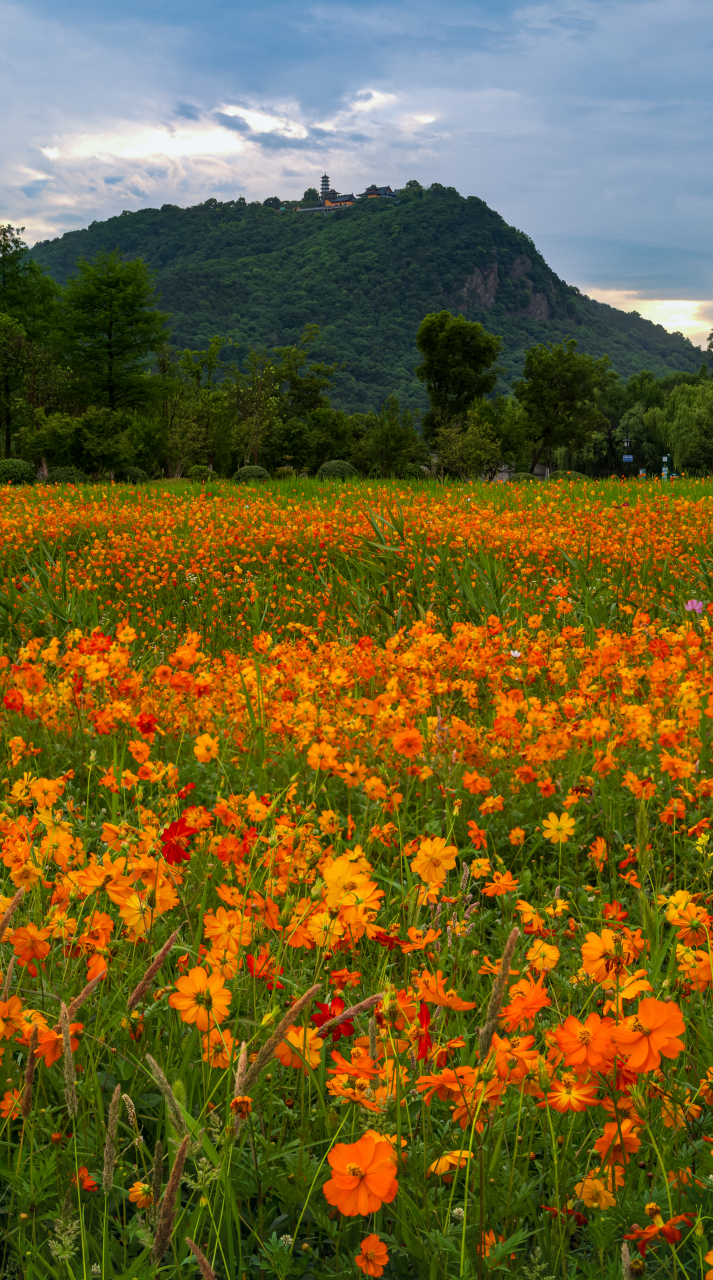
{"points": [[567, 475], [16, 471], [245, 474], [413, 472], [136, 475], [67, 475], [199, 473], [284, 473], [521, 477], [337, 470]]}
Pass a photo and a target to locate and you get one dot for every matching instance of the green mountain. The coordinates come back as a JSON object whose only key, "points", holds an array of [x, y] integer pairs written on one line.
{"points": [[367, 276]]}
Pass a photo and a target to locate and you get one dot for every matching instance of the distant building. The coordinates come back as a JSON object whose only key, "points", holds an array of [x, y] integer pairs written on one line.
{"points": [[330, 200], [377, 193]]}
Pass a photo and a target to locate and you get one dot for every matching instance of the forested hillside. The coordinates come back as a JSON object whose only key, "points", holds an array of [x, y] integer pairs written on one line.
{"points": [[367, 276]]}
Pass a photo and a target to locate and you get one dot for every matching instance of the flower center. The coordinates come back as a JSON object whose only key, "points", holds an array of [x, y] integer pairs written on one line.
{"points": [[355, 1171], [370, 1255], [585, 1036], [639, 1026]]}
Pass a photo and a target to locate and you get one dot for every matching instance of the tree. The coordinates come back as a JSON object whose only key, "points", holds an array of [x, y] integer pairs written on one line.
{"points": [[112, 326], [390, 443], [686, 426], [458, 355], [469, 447], [256, 397], [559, 395], [272, 202], [311, 196]]}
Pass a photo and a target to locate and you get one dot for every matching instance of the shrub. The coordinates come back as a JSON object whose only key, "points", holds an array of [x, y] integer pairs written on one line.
{"points": [[567, 475], [245, 474], [199, 473], [16, 471], [337, 470], [413, 472], [67, 475], [136, 475], [284, 473], [521, 477]]}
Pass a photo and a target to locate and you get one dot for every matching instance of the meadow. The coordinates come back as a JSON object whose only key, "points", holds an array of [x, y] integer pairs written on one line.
{"points": [[356, 863]]}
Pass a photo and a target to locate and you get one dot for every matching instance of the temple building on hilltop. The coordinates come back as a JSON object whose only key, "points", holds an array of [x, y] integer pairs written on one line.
{"points": [[329, 199]]}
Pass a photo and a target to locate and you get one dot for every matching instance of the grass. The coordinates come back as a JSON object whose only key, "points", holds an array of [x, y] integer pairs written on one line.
{"points": [[352, 736]]}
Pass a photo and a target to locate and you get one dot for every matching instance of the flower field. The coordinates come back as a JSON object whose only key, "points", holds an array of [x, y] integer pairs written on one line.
{"points": [[356, 864]]}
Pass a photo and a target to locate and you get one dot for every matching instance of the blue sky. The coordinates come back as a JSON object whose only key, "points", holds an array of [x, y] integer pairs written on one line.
{"points": [[587, 125]]}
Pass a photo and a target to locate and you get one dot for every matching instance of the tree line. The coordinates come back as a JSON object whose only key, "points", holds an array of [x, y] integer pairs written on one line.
{"points": [[89, 383]]}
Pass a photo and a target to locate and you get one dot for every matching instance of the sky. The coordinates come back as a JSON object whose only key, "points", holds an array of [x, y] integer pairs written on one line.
{"points": [[587, 125]]}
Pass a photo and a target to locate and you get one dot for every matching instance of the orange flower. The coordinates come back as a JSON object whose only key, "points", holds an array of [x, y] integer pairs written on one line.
{"points": [[141, 1195], [217, 1048], [502, 882], [603, 956], [618, 1142], [527, 998], [29, 943], [241, 1106], [201, 998], [517, 836], [432, 989], [451, 1160], [476, 784], [322, 756], [85, 1179], [595, 1193], [408, 743], [434, 859], [586, 1045], [206, 748], [372, 1256], [50, 1046], [569, 1094], [542, 956], [363, 1176], [652, 1031], [10, 1105], [301, 1045]]}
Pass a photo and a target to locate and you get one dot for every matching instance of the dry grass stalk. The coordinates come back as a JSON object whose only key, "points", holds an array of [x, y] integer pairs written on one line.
{"points": [[26, 1104], [78, 1001], [174, 1110], [157, 1174], [139, 992], [110, 1144], [364, 1006], [10, 911], [205, 1268], [8, 978], [167, 1211], [270, 1046], [491, 1018]]}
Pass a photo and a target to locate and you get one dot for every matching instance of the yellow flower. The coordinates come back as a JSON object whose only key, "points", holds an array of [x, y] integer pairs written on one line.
{"points": [[594, 1193], [558, 830], [206, 748]]}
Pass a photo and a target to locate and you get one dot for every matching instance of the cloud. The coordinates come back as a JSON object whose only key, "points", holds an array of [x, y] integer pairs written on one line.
{"points": [[587, 124]]}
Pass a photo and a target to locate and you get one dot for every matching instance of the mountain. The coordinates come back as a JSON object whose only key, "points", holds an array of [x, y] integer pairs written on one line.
{"points": [[367, 276]]}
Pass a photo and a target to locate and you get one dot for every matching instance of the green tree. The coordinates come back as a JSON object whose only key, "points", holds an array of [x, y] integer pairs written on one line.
{"points": [[456, 369], [559, 394], [27, 291], [469, 446], [256, 400], [311, 196], [390, 443], [686, 427], [112, 326]]}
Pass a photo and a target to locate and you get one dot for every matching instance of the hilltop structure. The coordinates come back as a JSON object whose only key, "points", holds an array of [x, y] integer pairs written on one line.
{"points": [[330, 200]]}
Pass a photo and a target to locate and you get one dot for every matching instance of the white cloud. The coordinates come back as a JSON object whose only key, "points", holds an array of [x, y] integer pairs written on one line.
{"points": [[693, 317]]}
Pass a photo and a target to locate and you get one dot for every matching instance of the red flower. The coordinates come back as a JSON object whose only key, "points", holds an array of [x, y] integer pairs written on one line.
{"points": [[174, 839], [333, 1010], [264, 966], [424, 1040]]}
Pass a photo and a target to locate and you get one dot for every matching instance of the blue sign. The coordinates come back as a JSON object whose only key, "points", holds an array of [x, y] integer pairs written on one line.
{"points": [[628, 457]]}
